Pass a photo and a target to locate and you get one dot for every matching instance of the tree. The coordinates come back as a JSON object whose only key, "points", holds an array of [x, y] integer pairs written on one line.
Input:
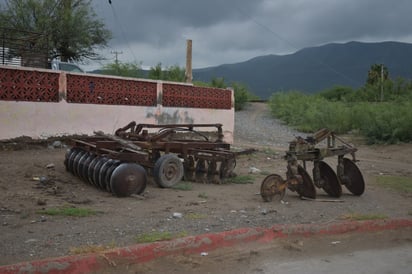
{"points": [[123, 69], [377, 74], [73, 29], [175, 73], [156, 73], [242, 95], [172, 73], [378, 78], [241, 92], [218, 82]]}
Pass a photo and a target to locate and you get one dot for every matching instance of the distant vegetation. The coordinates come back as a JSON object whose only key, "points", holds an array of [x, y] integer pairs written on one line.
{"points": [[380, 110]]}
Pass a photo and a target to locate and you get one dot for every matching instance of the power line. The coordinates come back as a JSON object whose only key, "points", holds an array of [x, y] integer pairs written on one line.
{"points": [[117, 21]]}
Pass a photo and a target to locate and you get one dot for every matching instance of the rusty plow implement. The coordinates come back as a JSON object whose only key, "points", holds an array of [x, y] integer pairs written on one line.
{"points": [[315, 149]]}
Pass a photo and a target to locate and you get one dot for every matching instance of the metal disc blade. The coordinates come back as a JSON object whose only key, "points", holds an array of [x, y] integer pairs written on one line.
{"points": [[67, 157], [81, 163], [86, 164], [90, 170], [96, 173], [127, 179], [271, 186], [102, 173], [109, 172], [307, 188], [71, 159], [331, 183], [76, 160], [352, 177]]}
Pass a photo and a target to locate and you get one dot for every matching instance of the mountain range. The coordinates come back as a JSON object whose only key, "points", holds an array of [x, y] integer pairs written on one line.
{"points": [[314, 69]]}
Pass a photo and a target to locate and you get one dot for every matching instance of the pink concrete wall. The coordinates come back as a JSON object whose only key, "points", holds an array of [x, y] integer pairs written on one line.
{"points": [[46, 119]]}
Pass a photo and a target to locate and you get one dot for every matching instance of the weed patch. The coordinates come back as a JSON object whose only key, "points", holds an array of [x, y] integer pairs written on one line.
{"points": [[363, 217], [91, 249], [397, 183], [183, 186], [157, 236]]}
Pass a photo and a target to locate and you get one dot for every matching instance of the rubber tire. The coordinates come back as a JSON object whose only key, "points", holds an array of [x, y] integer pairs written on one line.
{"points": [[168, 170]]}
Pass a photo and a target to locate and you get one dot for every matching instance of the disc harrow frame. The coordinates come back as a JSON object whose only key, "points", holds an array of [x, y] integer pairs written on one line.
{"points": [[169, 153], [309, 150]]}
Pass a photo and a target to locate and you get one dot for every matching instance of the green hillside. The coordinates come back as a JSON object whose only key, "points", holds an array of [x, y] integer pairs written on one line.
{"points": [[313, 69]]}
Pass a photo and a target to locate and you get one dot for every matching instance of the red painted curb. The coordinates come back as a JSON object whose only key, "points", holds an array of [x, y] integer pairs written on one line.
{"points": [[195, 244]]}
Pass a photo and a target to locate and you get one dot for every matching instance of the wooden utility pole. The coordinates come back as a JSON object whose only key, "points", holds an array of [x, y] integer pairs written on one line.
{"points": [[188, 74], [381, 82], [116, 53]]}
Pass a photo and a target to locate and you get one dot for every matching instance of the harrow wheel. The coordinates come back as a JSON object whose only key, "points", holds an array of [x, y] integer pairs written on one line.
{"points": [[127, 179], [306, 188], [352, 177], [331, 183], [168, 170], [271, 186]]}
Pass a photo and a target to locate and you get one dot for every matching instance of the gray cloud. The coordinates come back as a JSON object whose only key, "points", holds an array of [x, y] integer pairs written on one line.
{"points": [[229, 31]]}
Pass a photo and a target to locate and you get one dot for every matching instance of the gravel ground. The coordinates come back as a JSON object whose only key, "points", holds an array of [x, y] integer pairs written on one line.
{"points": [[255, 126]]}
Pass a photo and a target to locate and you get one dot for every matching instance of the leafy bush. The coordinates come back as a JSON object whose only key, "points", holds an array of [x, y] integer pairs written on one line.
{"points": [[388, 122], [242, 95], [241, 92], [338, 93]]}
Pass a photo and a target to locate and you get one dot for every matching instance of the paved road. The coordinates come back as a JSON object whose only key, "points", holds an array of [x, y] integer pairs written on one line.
{"points": [[382, 252], [391, 260]]}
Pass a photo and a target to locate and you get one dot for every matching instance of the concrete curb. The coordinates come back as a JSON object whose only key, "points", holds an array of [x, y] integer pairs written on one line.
{"points": [[195, 244]]}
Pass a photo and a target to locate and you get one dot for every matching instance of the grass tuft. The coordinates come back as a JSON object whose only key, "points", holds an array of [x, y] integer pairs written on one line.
{"points": [[196, 216], [183, 186], [157, 236], [91, 249], [397, 183], [242, 179]]}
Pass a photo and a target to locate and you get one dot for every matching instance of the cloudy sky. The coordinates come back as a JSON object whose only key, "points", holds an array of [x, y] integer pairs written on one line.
{"points": [[231, 31]]}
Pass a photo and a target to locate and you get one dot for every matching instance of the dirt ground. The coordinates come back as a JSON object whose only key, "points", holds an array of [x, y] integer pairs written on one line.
{"points": [[27, 234]]}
